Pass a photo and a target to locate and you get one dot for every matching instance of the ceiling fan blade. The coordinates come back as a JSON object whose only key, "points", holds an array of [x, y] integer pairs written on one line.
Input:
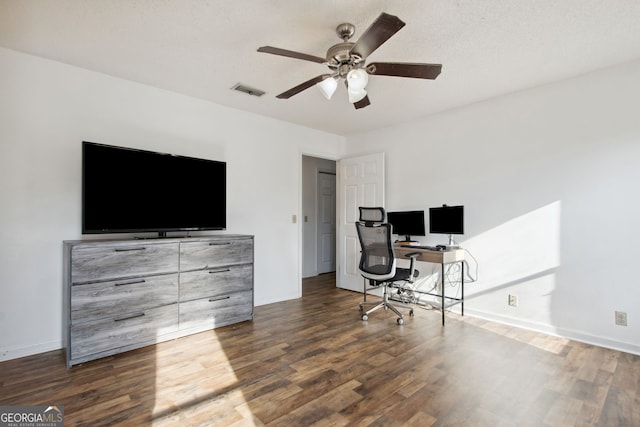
{"points": [[403, 69], [302, 86], [291, 54], [379, 32], [362, 103]]}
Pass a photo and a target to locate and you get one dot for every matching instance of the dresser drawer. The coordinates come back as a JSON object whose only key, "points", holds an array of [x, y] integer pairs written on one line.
{"points": [[126, 330], [215, 253], [217, 311], [117, 297], [215, 282], [109, 261]]}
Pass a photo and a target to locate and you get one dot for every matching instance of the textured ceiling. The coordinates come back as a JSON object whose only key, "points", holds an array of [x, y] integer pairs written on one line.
{"points": [[202, 48]]}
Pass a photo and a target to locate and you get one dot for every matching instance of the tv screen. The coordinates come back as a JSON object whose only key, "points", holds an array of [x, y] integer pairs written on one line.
{"points": [[128, 190], [407, 223], [446, 220]]}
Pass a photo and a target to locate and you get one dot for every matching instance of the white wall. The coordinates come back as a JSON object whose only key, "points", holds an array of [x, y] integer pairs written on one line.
{"points": [[48, 108], [549, 179]]}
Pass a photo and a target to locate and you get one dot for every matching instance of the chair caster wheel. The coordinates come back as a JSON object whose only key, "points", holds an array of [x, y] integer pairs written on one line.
{"points": [[365, 317], [411, 313], [400, 321]]}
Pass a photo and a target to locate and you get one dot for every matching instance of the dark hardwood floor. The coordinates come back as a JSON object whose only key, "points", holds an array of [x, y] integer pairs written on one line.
{"points": [[312, 361]]}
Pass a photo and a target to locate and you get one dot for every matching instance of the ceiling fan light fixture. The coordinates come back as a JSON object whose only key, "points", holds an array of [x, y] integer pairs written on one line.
{"points": [[328, 87], [357, 79], [356, 95]]}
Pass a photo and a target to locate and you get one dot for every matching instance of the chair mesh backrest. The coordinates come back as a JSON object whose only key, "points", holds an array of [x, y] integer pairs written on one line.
{"points": [[377, 250]]}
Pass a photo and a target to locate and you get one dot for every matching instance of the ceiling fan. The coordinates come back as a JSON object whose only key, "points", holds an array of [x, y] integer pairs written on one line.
{"points": [[346, 61]]}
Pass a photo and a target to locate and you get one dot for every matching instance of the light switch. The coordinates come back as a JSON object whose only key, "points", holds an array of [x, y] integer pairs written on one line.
{"points": [[293, 219]]}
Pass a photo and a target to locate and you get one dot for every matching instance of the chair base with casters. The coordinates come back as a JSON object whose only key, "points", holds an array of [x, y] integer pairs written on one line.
{"points": [[402, 275], [384, 304]]}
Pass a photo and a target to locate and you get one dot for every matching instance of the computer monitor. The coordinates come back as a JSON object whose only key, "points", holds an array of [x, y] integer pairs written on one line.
{"points": [[407, 223], [446, 220]]}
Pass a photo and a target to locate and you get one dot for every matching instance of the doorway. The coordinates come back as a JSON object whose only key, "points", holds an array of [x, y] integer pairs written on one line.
{"points": [[318, 216], [326, 227]]}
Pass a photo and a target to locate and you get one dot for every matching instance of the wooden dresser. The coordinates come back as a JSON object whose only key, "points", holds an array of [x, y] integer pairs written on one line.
{"points": [[126, 294]]}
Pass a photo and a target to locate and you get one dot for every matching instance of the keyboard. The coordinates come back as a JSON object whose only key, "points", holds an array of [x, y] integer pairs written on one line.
{"points": [[430, 248]]}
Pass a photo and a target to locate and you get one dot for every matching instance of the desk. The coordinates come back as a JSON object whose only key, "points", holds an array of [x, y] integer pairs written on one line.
{"points": [[443, 258]]}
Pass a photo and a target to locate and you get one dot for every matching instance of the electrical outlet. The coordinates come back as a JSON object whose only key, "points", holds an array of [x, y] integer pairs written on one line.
{"points": [[621, 318], [513, 300]]}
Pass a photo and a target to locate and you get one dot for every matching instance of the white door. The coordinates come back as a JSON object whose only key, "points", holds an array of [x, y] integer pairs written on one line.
{"points": [[360, 183], [326, 222]]}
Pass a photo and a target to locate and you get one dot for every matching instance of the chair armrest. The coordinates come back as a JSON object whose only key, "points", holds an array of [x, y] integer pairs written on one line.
{"points": [[412, 266], [413, 255]]}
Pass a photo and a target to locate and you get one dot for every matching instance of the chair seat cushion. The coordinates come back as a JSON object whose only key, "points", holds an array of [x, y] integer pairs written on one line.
{"points": [[403, 274], [379, 270], [382, 270]]}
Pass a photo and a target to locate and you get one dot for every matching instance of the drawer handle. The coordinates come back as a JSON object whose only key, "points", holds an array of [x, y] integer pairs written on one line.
{"points": [[219, 271], [133, 316], [218, 298], [133, 282], [219, 243], [142, 248]]}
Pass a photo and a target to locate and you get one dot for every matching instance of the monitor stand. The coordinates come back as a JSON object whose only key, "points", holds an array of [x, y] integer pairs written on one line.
{"points": [[161, 235], [452, 244]]}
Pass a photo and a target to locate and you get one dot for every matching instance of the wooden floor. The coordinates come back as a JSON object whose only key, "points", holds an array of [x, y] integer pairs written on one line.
{"points": [[312, 361]]}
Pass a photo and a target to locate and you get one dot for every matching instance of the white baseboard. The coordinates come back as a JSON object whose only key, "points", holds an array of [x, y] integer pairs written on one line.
{"points": [[17, 352], [559, 332]]}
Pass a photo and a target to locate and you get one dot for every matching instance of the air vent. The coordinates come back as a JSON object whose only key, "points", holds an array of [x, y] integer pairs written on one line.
{"points": [[248, 90]]}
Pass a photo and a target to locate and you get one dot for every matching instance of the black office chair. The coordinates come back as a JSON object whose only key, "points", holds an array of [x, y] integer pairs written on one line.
{"points": [[378, 261]]}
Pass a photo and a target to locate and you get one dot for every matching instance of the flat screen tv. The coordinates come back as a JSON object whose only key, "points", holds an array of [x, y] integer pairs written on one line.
{"points": [[407, 223], [446, 220], [127, 190]]}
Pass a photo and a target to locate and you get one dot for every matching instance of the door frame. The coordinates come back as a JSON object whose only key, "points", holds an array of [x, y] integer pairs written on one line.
{"points": [[300, 215]]}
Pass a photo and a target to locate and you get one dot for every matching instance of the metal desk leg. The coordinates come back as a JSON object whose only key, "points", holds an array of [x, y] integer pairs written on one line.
{"points": [[462, 287], [442, 300]]}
